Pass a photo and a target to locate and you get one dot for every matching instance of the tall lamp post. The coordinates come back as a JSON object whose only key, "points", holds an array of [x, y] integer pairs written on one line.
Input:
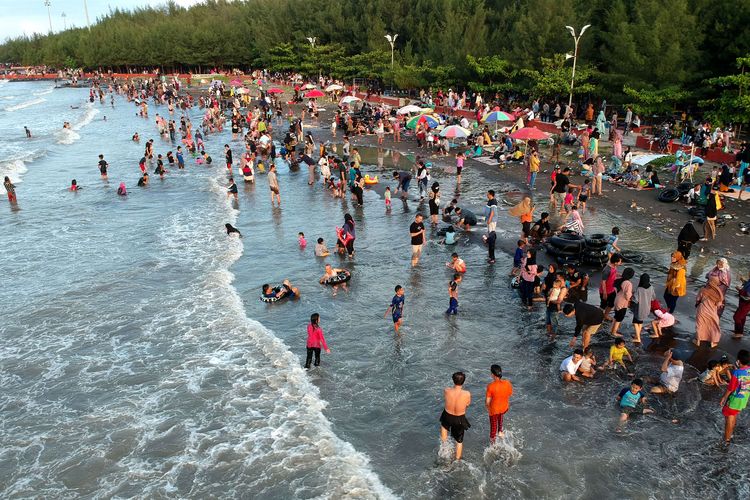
{"points": [[392, 40], [312, 41], [49, 15], [576, 39]]}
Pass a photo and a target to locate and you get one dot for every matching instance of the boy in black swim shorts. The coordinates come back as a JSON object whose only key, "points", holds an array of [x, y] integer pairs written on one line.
{"points": [[453, 419]]}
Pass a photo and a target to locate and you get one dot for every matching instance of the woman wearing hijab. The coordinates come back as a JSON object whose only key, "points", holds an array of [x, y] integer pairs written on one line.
{"points": [[622, 299], [743, 309], [722, 271], [529, 273], [346, 236], [525, 213], [707, 302], [600, 123], [642, 299], [676, 282], [686, 239], [121, 190]]}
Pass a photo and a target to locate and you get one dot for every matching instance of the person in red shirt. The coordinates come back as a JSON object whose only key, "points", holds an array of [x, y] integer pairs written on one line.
{"points": [[315, 340], [499, 392]]}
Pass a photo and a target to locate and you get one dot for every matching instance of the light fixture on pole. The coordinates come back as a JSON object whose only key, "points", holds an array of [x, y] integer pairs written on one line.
{"points": [[86, 11], [392, 40], [312, 41], [65, 24], [49, 14], [576, 38]]}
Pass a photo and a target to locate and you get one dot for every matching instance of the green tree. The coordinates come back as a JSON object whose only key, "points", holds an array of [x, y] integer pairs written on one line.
{"points": [[732, 102]]}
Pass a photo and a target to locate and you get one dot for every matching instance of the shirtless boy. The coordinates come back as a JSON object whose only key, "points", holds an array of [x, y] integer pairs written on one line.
{"points": [[453, 418]]}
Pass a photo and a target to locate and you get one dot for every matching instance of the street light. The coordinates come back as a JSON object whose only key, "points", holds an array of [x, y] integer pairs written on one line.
{"points": [[574, 56], [392, 40], [65, 24], [49, 15], [312, 40]]}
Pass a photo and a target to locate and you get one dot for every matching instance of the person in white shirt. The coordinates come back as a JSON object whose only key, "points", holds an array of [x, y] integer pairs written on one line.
{"points": [[464, 122], [569, 367], [671, 375], [325, 170]]}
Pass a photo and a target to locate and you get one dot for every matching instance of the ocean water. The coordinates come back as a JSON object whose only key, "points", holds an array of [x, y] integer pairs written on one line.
{"points": [[137, 361]]}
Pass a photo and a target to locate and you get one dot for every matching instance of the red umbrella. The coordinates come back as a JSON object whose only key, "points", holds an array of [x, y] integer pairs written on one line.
{"points": [[529, 133], [274, 90], [314, 93]]}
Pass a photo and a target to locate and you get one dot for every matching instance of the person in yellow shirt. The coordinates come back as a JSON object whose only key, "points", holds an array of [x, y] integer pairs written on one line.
{"points": [[616, 354], [534, 163]]}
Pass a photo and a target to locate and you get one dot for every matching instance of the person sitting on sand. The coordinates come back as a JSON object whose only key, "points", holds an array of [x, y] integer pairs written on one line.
{"points": [[715, 372], [570, 365], [629, 399], [541, 229], [671, 375]]}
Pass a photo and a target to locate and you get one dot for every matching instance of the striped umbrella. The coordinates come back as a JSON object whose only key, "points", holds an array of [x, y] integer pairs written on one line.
{"points": [[497, 116], [455, 132], [430, 120]]}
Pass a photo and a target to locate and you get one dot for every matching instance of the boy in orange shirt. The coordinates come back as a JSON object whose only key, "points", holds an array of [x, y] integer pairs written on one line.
{"points": [[499, 392]]}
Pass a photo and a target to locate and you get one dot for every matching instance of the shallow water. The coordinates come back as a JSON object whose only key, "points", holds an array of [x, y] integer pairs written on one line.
{"points": [[137, 359]]}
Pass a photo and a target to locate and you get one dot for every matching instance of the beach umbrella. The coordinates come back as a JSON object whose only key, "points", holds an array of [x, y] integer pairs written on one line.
{"points": [[274, 90], [235, 83], [455, 132], [314, 93], [243, 90], [430, 120], [334, 87], [497, 116], [528, 134], [349, 99], [411, 108], [309, 86]]}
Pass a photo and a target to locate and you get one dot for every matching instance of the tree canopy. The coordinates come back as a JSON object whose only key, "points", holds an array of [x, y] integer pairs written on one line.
{"points": [[652, 53]]}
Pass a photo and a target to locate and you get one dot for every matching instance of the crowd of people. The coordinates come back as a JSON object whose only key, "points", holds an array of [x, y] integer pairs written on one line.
{"points": [[563, 290]]}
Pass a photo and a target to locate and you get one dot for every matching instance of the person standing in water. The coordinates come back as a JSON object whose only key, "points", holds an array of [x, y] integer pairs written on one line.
{"points": [[103, 165], [417, 233], [315, 340], [498, 393], [11, 189], [453, 419], [737, 394], [273, 184], [28, 132], [396, 308]]}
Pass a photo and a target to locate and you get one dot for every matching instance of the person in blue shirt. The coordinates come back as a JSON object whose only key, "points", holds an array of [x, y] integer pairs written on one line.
{"points": [[629, 399], [180, 158], [397, 307], [518, 258]]}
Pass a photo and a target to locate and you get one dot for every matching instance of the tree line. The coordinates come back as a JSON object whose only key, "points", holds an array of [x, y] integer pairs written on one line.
{"points": [[659, 55]]}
